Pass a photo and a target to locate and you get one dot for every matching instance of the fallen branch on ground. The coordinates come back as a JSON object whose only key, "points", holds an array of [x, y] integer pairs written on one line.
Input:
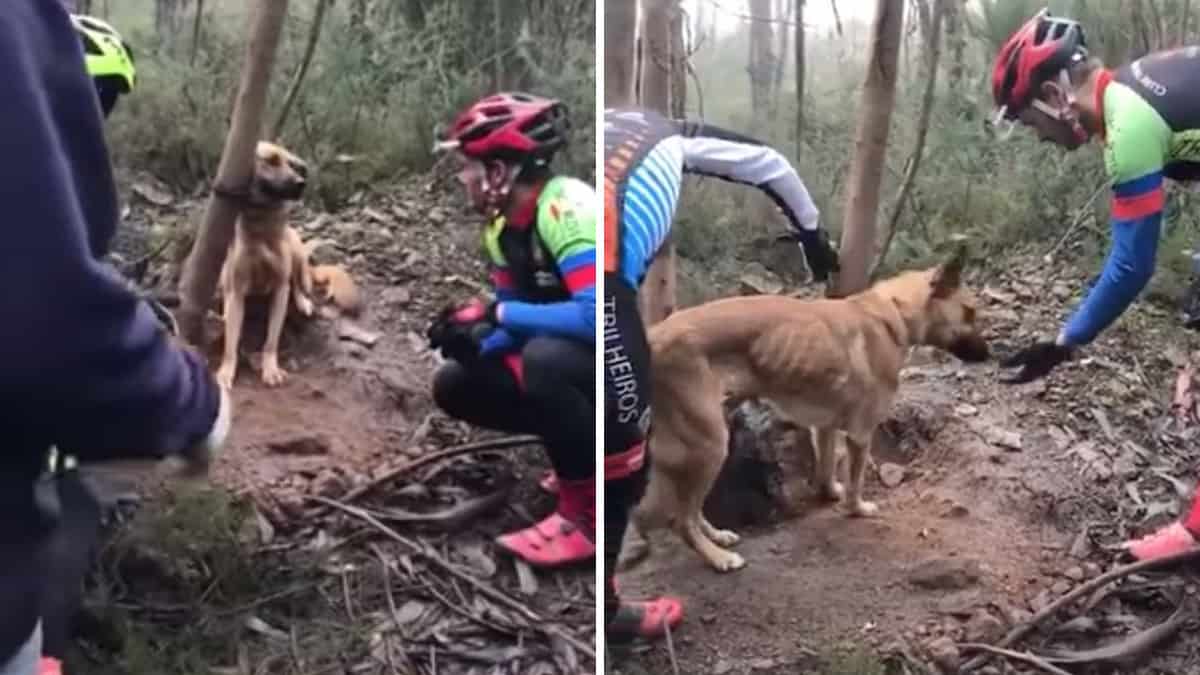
{"points": [[1124, 652], [1024, 657], [455, 451], [1025, 628], [538, 622], [454, 516]]}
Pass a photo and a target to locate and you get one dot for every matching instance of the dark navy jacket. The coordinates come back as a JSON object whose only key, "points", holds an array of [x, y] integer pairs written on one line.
{"points": [[83, 363]]}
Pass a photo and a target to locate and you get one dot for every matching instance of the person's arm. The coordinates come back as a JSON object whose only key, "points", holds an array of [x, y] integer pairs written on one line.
{"points": [[730, 156], [566, 222], [86, 362], [727, 155], [1135, 152]]}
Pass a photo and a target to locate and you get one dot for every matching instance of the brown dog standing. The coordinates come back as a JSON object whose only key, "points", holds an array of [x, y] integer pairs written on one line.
{"points": [[267, 258], [830, 365]]}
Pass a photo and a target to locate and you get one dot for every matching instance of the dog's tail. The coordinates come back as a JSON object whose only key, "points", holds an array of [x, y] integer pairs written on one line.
{"points": [[339, 287]]}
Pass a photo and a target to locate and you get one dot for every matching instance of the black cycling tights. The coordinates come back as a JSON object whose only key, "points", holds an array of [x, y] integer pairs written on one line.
{"points": [[626, 416], [558, 402]]}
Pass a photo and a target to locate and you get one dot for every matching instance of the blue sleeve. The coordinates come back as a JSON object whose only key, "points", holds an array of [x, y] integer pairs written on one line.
{"points": [[87, 366], [575, 318], [1136, 223]]}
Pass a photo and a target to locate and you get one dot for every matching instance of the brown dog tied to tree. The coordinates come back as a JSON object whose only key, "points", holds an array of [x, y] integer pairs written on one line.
{"points": [[268, 259], [830, 365]]}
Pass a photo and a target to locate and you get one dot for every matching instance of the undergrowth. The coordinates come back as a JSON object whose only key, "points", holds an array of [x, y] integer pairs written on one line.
{"points": [[181, 588]]}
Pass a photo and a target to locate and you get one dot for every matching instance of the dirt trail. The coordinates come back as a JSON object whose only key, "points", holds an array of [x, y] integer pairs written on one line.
{"points": [[356, 404], [1005, 503]]}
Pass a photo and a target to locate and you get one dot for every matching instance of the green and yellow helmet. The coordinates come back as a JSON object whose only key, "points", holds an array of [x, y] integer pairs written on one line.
{"points": [[106, 54]]}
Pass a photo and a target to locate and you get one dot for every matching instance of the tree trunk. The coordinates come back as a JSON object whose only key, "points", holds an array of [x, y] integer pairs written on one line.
{"points": [[197, 23], [760, 66], [314, 35], [837, 18], [957, 42], [658, 300], [800, 65], [620, 30], [1181, 40], [914, 162], [785, 11], [679, 57], [870, 141], [234, 173], [498, 46]]}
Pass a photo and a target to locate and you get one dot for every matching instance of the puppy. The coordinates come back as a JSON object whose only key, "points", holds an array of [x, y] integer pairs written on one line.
{"points": [[267, 258], [830, 365]]}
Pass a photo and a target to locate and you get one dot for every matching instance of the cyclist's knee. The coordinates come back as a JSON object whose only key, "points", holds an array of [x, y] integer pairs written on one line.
{"points": [[449, 386], [548, 363]]}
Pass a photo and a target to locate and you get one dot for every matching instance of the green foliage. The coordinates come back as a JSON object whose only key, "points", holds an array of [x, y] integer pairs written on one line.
{"points": [[377, 86]]}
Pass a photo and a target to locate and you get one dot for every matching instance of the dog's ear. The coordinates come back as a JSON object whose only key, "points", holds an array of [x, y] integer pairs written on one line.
{"points": [[948, 276]]}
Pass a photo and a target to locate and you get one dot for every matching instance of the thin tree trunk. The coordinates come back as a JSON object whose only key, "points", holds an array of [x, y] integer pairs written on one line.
{"points": [[957, 42], [914, 161], [197, 22], [837, 18], [785, 11], [870, 141], [235, 171], [620, 31], [1181, 40], [498, 45], [314, 36], [679, 57], [760, 66], [800, 66], [658, 301]]}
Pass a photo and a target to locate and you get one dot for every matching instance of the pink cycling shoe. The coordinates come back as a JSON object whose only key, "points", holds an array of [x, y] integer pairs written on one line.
{"points": [[1169, 540], [567, 536]]}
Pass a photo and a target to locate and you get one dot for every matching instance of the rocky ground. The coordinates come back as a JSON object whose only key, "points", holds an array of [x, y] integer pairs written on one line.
{"points": [[995, 500], [343, 556]]}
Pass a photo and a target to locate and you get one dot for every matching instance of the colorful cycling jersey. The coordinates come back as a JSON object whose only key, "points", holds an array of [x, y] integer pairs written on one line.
{"points": [[545, 275], [645, 158], [1151, 113]]}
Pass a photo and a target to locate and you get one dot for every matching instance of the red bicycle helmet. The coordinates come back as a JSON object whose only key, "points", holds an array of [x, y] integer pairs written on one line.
{"points": [[1038, 51], [511, 126]]}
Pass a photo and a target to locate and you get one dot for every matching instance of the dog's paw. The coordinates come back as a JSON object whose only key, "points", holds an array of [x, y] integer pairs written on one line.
{"points": [[273, 375], [304, 304], [728, 562], [225, 376], [864, 509], [833, 491], [725, 537]]}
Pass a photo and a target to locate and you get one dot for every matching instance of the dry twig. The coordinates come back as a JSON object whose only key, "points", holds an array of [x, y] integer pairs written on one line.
{"points": [[535, 619], [1024, 629]]}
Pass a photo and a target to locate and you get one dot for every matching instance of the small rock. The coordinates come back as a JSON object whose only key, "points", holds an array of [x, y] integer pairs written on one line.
{"points": [[396, 295], [723, 666], [1075, 573], [890, 474], [945, 574], [1080, 625], [944, 653], [759, 284], [966, 410], [302, 444], [1014, 615], [1091, 569], [1005, 438], [329, 484], [960, 604], [1061, 588], [957, 511], [762, 664], [983, 627], [347, 330]]}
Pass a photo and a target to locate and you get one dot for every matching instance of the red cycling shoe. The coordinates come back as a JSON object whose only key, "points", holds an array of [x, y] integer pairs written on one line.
{"points": [[646, 620], [49, 666], [566, 537]]}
